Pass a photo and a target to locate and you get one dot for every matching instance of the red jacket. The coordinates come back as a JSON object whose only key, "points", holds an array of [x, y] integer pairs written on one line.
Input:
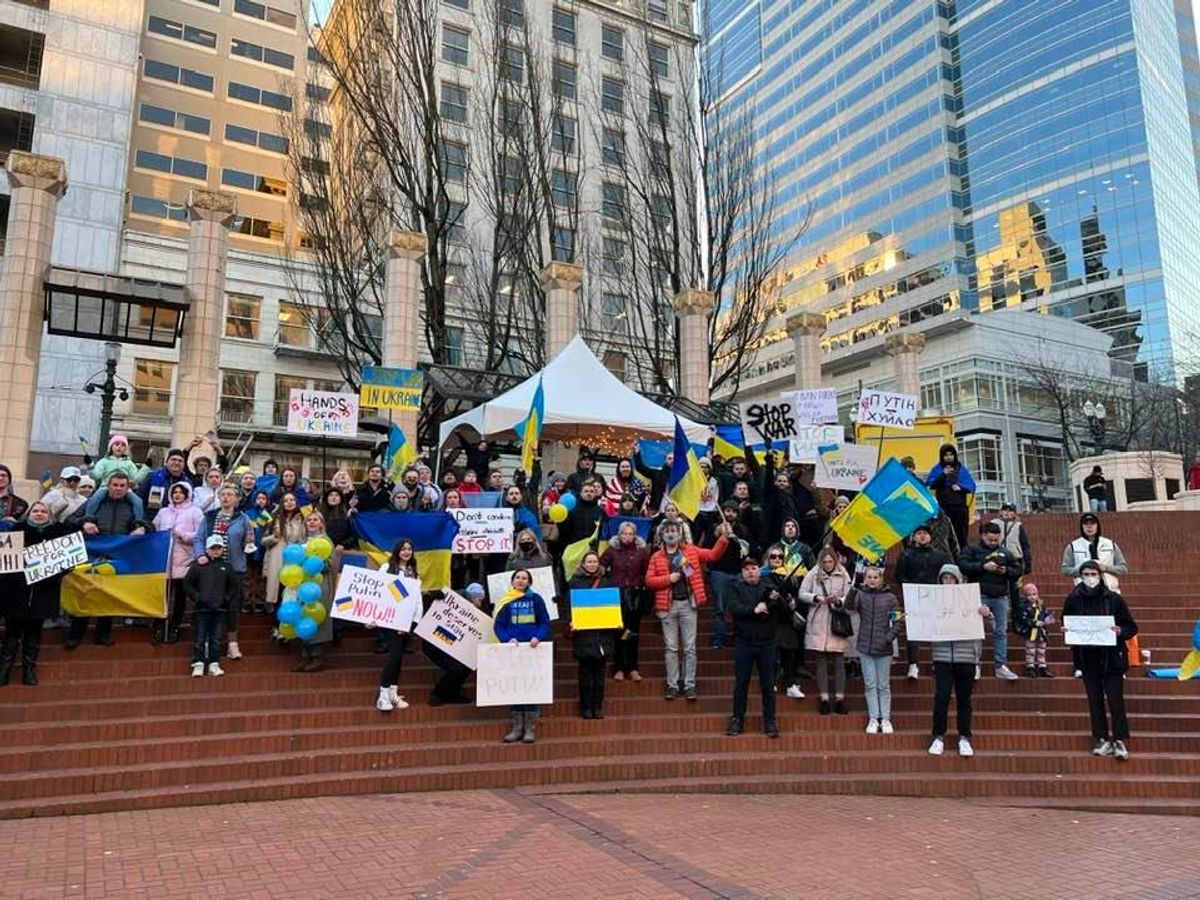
{"points": [[658, 574]]}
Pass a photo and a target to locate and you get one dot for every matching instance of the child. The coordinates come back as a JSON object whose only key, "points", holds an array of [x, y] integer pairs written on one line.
{"points": [[212, 587], [592, 649], [470, 483], [878, 611], [955, 664], [1032, 619], [254, 590], [117, 460], [521, 617]]}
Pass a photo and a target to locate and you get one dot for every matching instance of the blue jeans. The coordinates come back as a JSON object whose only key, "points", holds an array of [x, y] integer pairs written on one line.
{"points": [[722, 584], [999, 608], [877, 679], [1097, 505], [207, 646]]}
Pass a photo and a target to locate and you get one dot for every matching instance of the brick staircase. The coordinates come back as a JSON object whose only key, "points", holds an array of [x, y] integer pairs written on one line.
{"points": [[126, 728]]}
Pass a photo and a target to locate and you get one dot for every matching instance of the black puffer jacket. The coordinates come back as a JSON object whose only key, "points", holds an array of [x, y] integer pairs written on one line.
{"points": [[598, 644], [40, 599], [750, 627], [920, 565]]}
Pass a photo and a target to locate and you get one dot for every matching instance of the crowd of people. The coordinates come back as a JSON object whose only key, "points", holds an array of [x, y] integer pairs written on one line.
{"points": [[785, 593]]}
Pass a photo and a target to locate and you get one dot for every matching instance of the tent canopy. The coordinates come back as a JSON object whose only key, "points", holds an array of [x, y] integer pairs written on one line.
{"points": [[583, 401]]}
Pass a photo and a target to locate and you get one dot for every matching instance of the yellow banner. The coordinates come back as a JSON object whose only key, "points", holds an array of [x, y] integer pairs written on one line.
{"points": [[383, 396]]}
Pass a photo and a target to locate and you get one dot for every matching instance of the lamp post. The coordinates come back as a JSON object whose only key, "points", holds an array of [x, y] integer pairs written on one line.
{"points": [[1094, 413], [108, 391]]}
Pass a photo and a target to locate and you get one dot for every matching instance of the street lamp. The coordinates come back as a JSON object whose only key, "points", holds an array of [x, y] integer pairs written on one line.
{"points": [[1095, 413], [108, 391]]}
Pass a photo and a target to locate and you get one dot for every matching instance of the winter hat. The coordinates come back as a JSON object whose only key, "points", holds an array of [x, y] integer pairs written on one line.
{"points": [[555, 476], [473, 591], [117, 438], [924, 526], [1007, 506], [87, 481], [949, 569]]}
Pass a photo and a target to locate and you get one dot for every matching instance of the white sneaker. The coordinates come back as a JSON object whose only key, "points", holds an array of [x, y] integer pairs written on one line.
{"points": [[233, 651], [914, 672], [398, 702], [1102, 748], [1004, 673], [1079, 673], [886, 726], [215, 670], [197, 670], [1120, 751], [795, 693], [965, 748], [937, 748], [978, 673], [873, 727], [384, 703]]}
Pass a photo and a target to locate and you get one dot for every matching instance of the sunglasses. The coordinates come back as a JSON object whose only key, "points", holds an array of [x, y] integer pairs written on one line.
{"points": [[775, 556]]}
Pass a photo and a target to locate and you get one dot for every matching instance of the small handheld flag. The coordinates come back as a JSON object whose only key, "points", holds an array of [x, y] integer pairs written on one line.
{"points": [[530, 430], [400, 453], [686, 481]]}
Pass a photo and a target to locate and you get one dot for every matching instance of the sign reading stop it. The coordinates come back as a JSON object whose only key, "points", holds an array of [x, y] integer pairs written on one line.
{"points": [[482, 531]]}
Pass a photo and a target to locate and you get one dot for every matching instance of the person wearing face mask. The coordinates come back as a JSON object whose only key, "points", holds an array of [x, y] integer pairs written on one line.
{"points": [[626, 558], [592, 648], [1091, 544], [528, 553], [1103, 668], [523, 517]]}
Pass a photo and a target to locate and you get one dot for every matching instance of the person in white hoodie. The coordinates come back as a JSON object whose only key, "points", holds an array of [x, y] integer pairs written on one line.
{"points": [[205, 496], [64, 500], [1091, 544]]}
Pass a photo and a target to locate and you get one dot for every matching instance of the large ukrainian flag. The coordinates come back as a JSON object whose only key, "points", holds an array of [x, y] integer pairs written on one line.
{"points": [[887, 510], [686, 481], [432, 535], [124, 576], [400, 453]]}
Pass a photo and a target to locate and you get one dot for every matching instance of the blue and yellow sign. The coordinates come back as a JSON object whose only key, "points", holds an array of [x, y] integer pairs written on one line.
{"points": [[384, 388]]}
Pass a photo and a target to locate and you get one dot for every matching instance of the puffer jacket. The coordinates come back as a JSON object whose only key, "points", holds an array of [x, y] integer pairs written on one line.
{"points": [[658, 573], [183, 521], [819, 584], [877, 628]]}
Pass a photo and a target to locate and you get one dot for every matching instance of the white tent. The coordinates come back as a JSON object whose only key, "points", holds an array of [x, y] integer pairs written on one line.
{"points": [[583, 401]]}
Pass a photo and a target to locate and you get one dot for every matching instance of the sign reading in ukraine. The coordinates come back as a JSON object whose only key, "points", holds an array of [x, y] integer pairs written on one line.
{"points": [[322, 412], [384, 388]]}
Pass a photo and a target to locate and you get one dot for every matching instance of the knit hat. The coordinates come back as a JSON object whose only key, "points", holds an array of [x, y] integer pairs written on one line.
{"points": [[87, 481], [117, 438], [924, 526], [555, 476], [473, 591]]}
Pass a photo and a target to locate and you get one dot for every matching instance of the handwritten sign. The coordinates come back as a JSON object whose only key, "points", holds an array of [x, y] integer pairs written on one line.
{"points": [[810, 439], [482, 531], [49, 558], [514, 673], [500, 584], [767, 421], [888, 410], [322, 412], [456, 627], [376, 598], [816, 407], [942, 612], [12, 559], [845, 467], [384, 388], [1090, 631]]}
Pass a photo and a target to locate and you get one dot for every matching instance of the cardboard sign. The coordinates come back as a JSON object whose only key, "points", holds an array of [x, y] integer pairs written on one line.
{"points": [[816, 407], [514, 673], [376, 598], [12, 559], [845, 467], [595, 609], [1090, 631], [809, 439], [942, 612], [49, 558], [322, 412], [888, 410], [456, 627], [383, 388], [766, 421], [500, 584], [482, 531]]}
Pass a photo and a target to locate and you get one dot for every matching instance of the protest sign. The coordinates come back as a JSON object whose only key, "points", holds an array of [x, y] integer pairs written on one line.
{"points": [[942, 612], [1090, 631], [51, 557], [456, 627], [12, 559], [888, 410], [384, 388], [816, 407], [322, 412], [376, 598], [514, 673], [500, 584], [810, 438], [595, 609], [482, 531], [767, 421], [845, 467]]}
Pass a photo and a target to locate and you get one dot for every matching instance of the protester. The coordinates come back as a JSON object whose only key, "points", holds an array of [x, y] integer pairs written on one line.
{"points": [[449, 686], [523, 517], [64, 499], [623, 482], [824, 591], [182, 519], [237, 535], [726, 572], [626, 557], [739, 470], [288, 528], [879, 610], [1096, 488], [1014, 538], [204, 497], [290, 483], [556, 487], [1103, 668], [153, 488], [1031, 618], [521, 617], [757, 609], [658, 478], [592, 648], [312, 651], [789, 625], [528, 553], [495, 482], [117, 460], [470, 483], [375, 494], [993, 568], [953, 486], [451, 499], [212, 587], [709, 514], [254, 589], [403, 561], [585, 470], [955, 668], [670, 513], [1091, 544], [798, 554], [919, 563], [335, 516], [431, 494], [12, 507], [582, 521]]}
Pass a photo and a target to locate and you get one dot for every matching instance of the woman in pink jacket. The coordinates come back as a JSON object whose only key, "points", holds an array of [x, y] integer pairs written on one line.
{"points": [[182, 518]]}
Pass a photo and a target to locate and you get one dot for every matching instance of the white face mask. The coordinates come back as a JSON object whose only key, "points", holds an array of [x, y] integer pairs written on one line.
{"points": [[1091, 580]]}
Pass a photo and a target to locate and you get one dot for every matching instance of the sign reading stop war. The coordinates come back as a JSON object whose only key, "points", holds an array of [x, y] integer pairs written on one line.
{"points": [[888, 410], [1090, 631], [514, 673], [482, 531], [942, 612], [767, 421], [456, 627], [322, 412], [376, 598]]}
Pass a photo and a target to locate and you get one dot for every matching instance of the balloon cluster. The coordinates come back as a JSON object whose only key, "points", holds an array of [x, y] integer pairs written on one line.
{"points": [[301, 612], [560, 510]]}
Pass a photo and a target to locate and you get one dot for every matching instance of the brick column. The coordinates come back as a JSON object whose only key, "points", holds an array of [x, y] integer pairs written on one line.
{"points": [[806, 329], [692, 308], [561, 282], [198, 383], [906, 348], [402, 312], [38, 183]]}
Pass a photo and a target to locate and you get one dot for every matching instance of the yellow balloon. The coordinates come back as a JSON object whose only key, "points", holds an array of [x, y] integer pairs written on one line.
{"points": [[287, 631], [315, 611], [558, 513], [291, 576], [320, 547]]}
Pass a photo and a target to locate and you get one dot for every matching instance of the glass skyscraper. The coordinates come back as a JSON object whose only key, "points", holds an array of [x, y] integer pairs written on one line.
{"points": [[984, 154]]}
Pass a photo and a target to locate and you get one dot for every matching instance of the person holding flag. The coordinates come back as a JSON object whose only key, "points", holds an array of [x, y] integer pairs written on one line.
{"points": [[400, 454], [530, 430]]}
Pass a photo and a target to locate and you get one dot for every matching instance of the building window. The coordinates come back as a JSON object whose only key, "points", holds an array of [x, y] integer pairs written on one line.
{"points": [[318, 131], [265, 13], [660, 59], [612, 201], [454, 345], [152, 380], [657, 10], [284, 385], [248, 181], [509, 176], [614, 361], [512, 12], [660, 110], [294, 330], [189, 78], [250, 94], [512, 64], [155, 208], [316, 92], [242, 316], [564, 188], [562, 134], [181, 32], [172, 165], [614, 256], [612, 43], [512, 117], [612, 147], [264, 140], [562, 248], [249, 226], [453, 157], [259, 53], [612, 312], [237, 395], [563, 23], [460, 4], [981, 454], [456, 45], [456, 222], [169, 118], [563, 80], [453, 106], [612, 96], [661, 211]]}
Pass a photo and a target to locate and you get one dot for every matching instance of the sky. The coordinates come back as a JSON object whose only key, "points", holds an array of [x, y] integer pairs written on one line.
{"points": [[320, 9]]}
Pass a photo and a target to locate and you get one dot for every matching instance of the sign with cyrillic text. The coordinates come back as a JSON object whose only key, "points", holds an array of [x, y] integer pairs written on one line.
{"points": [[942, 612], [888, 410], [12, 559]]}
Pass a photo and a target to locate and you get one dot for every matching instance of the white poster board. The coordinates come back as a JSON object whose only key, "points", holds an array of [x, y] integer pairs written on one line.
{"points": [[482, 531], [455, 627], [514, 673], [815, 407], [12, 559], [942, 612], [810, 439], [1090, 631], [370, 597], [322, 413], [845, 467], [767, 421], [888, 410], [51, 557], [500, 583]]}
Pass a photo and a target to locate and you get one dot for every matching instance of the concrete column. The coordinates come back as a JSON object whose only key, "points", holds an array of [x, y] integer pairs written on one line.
{"points": [[561, 282], [806, 329], [198, 380], [38, 183], [692, 308], [906, 348], [402, 312]]}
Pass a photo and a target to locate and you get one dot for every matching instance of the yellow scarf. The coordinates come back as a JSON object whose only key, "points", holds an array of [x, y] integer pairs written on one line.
{"points": [[513, 594]]}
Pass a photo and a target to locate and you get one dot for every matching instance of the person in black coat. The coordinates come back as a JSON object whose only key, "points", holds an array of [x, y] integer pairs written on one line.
{"points": [[212, 588], [581, 521], [757, 609], [592, 648], [919, 563], [374, 494], [993, 568], [1103, 668]]}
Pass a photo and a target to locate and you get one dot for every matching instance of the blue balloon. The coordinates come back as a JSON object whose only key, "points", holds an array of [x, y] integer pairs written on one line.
{"points": [[567, 500], [293, 554], [306, 629], [290, 612], [313, 566], [309, 592]]}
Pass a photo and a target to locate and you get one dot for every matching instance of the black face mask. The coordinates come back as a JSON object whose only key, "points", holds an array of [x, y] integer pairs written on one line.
{"points": [[527, 545]]}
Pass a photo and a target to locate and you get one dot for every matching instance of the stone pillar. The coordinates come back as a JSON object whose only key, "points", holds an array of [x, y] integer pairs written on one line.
{"points": [[561, 282], [806, 329], [692, 308], [906, 348], [38, 183], [198, 381], [402, 313]]}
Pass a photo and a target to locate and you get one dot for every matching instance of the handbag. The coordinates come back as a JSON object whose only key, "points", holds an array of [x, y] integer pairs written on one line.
{"points": [[840, 623]]}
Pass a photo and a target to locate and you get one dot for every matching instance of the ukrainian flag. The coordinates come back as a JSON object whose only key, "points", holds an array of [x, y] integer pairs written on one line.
{"points": [[530, 430], [431, 533], [573, 554], [728, 442], [400, 453], [887, 510], [595, 609], [686, 481], [124, 576]]}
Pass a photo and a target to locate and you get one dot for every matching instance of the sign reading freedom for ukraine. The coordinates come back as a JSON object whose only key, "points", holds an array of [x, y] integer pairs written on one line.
{"points": [[376, 598], [888, 410], [515, 673], [49, 558], [322, 412], [942, 612], [455, 627], [384, 388]]}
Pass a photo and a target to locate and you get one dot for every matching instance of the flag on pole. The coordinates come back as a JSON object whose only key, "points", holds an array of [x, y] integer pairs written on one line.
{"points": [[400, 453], [888, 509], [530, 430], [686, 481], [573, 554]]}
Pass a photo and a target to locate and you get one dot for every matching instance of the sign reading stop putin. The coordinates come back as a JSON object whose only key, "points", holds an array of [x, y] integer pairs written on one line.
{"points": [[482, 531]]}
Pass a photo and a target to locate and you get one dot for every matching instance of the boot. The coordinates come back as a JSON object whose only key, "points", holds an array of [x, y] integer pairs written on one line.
{"points": [[517, 721], [530, 724], [8, 653], [29, 658]]}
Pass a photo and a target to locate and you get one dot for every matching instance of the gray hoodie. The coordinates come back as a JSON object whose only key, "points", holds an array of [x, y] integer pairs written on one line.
{"points": [[957, 651]]}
